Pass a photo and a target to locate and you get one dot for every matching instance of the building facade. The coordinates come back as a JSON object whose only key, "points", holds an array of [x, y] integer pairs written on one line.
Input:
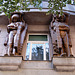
{"points": [[37, 55]]}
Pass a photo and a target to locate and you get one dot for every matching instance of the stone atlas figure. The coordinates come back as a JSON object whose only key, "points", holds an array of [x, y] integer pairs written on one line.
{"points": [[16, 34], [60, 33]]}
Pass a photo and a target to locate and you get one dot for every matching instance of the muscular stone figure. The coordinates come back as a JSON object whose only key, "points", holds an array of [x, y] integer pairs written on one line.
{"points": [[15, 29], [62, 42]]}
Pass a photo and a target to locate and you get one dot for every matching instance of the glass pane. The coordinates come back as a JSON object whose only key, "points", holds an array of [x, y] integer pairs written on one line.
{"points": [[28, 51], [38, 38], [47, 51], [37, 51]]}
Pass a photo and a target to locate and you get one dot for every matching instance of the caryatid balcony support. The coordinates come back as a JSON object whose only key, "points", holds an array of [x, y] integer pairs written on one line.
{"points": [[60, 33], [16, 34]]}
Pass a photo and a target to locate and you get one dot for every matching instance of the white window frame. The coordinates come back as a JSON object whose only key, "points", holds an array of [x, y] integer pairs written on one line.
{"points": [[37, 42]]}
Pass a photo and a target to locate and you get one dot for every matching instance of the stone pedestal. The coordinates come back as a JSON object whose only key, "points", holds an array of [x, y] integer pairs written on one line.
{"points": [[10, 63], [64, 64]]}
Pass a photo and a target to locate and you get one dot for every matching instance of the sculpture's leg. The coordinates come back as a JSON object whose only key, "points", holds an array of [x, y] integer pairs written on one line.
{"points": [[17, 39], [59, 40], [63, 53], [10, 42], [66, 44], [15, 44], [9, 49], [62, 34]]}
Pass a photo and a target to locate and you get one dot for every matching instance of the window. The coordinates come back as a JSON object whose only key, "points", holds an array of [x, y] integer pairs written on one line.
{"points": [[37, 47], [38, 38]]}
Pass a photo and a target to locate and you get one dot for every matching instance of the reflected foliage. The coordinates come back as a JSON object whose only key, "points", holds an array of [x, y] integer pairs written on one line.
{"points": [[37, 53]]}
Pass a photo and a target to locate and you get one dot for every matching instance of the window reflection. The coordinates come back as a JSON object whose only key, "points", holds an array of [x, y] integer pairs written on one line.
{"points": [[37, 51], [28, 51], [47, 51], [37, 47], [38, 38]]}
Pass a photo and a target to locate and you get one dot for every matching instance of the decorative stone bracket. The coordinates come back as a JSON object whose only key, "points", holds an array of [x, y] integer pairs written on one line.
{"points": [[64, 64], [10, 63]]}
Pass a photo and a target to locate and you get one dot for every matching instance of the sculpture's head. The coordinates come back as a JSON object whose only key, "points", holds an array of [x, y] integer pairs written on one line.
{"points": [[60, 18], [15, 18]]}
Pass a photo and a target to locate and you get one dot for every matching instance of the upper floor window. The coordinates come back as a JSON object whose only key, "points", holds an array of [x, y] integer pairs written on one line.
{"points": [[37, 47]]}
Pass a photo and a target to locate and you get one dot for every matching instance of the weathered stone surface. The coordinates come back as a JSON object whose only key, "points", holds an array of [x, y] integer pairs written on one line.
{"points": [[26, 69], [71, 20], [36, 65], [36, 28], [9, 68], [4, 20], [10, 60], [63, 61], [37, 18], [65, 68], [32, 18], [35, 72], [10, 63], [64, 64]]}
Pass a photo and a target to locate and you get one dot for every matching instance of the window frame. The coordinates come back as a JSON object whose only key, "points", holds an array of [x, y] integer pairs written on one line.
{"points": [[37, 42]]}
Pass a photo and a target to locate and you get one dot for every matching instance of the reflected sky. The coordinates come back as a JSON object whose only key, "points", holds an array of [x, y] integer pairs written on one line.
{"points": [[28, 51], [47, 51]]}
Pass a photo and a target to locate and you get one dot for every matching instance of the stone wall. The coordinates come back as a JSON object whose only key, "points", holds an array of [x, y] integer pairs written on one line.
{"points": [[37, 67], [72, 34], [32, 28], [3, 33], [33, 69], [4, 20], [35, 72]]}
